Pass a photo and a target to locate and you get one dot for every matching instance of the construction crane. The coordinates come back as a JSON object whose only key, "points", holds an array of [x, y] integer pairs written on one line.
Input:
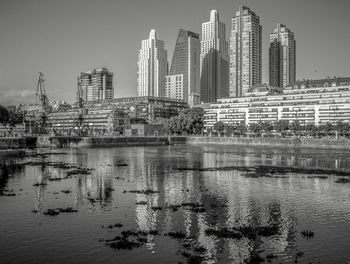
{"points": [[42, 100]]}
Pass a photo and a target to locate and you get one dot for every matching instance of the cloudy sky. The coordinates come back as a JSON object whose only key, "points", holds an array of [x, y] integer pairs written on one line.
{"points": [[61, 38]]}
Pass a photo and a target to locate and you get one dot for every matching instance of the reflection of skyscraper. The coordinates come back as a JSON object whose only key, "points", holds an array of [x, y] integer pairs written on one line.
{"points": [[214, 60], [245, 52], [184, 65], [152, 67], [282, 64]]}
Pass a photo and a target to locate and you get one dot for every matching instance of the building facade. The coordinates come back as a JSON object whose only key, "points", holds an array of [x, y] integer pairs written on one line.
{"points": [[95, 85], [245, 52], [152, 67], [214, 60], [310, 102], [282, 57], [185, 62], [175, 87]]}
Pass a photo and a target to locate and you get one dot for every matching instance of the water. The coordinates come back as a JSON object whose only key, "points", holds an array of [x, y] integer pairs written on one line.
{"points": [[294, 201]]}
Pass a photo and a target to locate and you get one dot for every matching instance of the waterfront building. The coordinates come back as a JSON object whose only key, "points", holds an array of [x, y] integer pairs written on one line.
{"points": [[96, 84], [245, 52], [282, 60], [152, 67], [310, 102], [185, 67], [214, 60], [114, 115], [194, 99]]}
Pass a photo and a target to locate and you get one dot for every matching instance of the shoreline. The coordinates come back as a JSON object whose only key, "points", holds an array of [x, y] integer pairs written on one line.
{"points": [[20, 143]]}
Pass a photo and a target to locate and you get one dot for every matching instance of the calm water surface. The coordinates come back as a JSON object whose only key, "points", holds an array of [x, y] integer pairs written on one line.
{"points": [[296, 202]]}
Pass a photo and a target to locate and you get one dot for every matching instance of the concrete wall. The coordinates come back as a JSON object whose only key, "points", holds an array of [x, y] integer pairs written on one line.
{"points": [[275, 142], [107, 141]]}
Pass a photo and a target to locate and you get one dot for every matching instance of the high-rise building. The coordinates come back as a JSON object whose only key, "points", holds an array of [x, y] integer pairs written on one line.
{"points": [[184, 72], [152, 67], [95, 85], [214, 60], [282, 66], [245, 52]]}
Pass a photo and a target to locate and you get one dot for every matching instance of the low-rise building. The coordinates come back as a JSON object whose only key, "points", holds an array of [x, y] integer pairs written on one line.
{"points": [[310, 102]]}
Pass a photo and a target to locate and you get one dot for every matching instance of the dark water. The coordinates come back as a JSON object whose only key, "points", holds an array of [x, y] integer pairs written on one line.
{"points": [[294, 201]]}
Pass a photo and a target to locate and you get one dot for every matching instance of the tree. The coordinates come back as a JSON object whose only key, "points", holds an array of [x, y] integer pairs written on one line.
{"points": [[230, 129], [4, 115], [193, 120], [311, 129], [241, 129], [219, 127], [328, 128], [282, 126], [255, 128], [266, 127], [295, 127]]}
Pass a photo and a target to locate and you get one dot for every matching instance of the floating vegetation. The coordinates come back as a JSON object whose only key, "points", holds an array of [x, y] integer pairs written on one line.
{"points": [[270, 257], [194, 207], [174, 208], [8, 193], [109, 189], [115, 225], [308, 234], [39, 184], [192, 259], [177, 234], [66, 191], [148, 191], [244, 231], [121, 165], [343, 180], [80, 171], [130, 239], [141, 203], [270, 171], [321, 177], [254, 259], [57, 211], [55, 179], [119, 178], [156, 208]]}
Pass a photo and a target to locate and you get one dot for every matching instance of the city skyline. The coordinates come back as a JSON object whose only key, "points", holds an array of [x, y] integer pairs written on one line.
{"points": [[54, 38]]}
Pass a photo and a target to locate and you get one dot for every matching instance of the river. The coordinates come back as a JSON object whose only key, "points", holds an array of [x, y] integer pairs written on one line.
{"points": [[83, 205]]}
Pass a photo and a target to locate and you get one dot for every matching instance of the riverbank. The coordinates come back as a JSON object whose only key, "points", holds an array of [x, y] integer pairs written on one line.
{"points": [[326, 143], [74, 141]]}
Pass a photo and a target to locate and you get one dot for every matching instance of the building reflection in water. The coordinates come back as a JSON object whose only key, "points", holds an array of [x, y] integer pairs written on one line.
{"points": [[230, 199]]}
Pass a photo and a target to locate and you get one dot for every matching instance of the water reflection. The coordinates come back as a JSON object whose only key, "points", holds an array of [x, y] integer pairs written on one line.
{"points": [[229, 199]]}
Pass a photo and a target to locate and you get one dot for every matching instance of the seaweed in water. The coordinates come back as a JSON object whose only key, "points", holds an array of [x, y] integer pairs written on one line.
{"points": [[308, 234], [343, 180], [177, 234]]}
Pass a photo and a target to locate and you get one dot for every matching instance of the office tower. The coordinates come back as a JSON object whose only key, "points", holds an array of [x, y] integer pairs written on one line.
{"points": [[95, 85], [282, 66], [152, 67], [184, 74], [214, 60], [245, 52]]}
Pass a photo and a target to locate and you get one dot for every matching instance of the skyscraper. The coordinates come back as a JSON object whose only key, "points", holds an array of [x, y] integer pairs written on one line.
{"points": [[152, 67], [184, 74], [282, 66], [214, 61], [245, 52], [96, 84]]}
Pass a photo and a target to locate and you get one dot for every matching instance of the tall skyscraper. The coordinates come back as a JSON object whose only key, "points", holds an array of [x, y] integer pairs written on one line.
{"points": [[152, 67], [96, 84], [184, 74], [214, 61], [245, 52], [282, 57]]}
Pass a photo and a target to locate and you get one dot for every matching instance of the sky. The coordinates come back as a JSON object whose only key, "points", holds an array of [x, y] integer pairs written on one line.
{"points": [[62, 38]]}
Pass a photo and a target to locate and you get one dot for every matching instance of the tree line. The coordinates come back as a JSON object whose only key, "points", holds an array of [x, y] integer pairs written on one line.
{"points": [[283, 127]]}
